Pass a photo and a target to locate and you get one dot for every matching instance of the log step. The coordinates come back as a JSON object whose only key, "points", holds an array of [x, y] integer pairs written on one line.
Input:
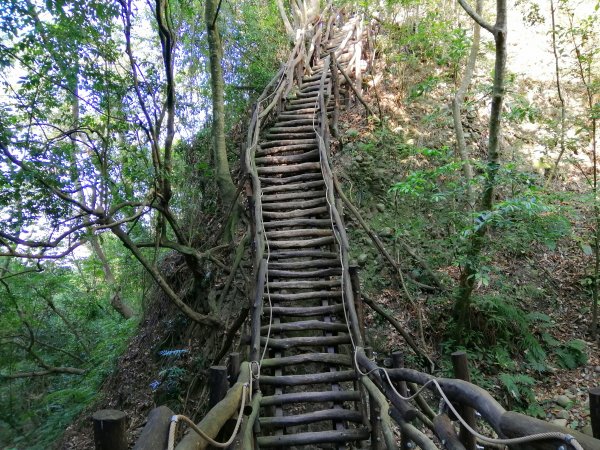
{"points": [[277, 206], [297, 233], [296, 135], [309, 378], [310, 264], [287, 128], [303, 284], [292, 195], [288, 141], [274, 273], [311, 417], [292, 179], [290, 168], [310, 397], [288, 159], [302, 311], [302, 243], [298, 111], [335, 359], [305, 325], [284, 149], [313, 438], [293, 187], [313, 295], [309, 120], [303, 254], [295, 213], [321, 223]]}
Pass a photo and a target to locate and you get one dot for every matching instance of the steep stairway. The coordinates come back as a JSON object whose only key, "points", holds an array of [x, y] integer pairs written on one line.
{"points": [[310, 396]]}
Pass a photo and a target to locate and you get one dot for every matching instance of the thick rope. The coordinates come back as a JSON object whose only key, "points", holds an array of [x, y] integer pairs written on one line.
{"points": [[179, 417], [567, 438]]}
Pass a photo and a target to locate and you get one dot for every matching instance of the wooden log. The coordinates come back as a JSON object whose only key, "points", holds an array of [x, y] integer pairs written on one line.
{"points": [[298, 233], [420, 439], [291, 168], [291, 179], [288, 142], [302, 243], [214, 420], [303, 284], [358, 304], [233, 367], [336, 359], [301, 120], [218, 385], [278, 206], [309, 378], [311, 267], [285, 343], [110, 429], [287, 129], [288, 159], [398, 363], [305, 325], [259, 291], [594, 395], [284, 149], [313, 438], [384, 424], [444, 430], [302, 254], [305, 194], [273, 273], [460, 366], [155, 434], [308, 311], [514, 424], [294, 187], [295, 213], [337, 415], [314, 295], [457, 391], [247, 431], [311, 397]]}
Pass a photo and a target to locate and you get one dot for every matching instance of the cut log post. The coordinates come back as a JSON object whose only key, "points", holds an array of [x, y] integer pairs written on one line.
{"points": [[155, 434], [374, 412], [358, 303], [595, 411], [110, 430], [461, 371], [218, 385], [233, 367], [398, 363]]}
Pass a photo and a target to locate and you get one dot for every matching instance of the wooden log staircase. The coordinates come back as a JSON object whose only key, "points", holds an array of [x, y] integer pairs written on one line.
{"points": [[312, 385]]}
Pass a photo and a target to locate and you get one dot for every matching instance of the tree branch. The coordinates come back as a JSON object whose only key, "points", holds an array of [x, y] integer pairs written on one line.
{"points": [[476, 17]]}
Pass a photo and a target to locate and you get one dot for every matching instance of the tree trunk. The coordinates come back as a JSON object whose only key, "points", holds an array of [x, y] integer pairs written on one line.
{"points": [[223, 175], [457, 105], [477, 238]]}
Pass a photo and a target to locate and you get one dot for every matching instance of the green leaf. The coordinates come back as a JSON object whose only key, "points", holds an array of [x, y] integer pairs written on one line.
{"points": [[587, 249]]}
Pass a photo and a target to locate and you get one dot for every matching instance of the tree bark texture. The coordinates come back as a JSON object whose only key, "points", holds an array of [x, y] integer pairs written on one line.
{"points": [[222, 173]]}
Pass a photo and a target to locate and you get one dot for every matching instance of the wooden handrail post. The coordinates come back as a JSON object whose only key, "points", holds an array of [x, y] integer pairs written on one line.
{"points": [[374, 416], [595, 411], [398, 363], [110, 430], [335, 81], [233, 367], [358, 303], [461, 371], [217, 383]]}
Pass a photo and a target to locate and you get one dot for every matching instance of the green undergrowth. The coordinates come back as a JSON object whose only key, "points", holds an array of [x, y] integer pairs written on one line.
{"points": [[90, 336], [415, 195]]}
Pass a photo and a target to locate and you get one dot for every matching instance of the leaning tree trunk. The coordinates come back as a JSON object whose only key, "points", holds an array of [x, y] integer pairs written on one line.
{"points": [[476, 241], [225, 183]]}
